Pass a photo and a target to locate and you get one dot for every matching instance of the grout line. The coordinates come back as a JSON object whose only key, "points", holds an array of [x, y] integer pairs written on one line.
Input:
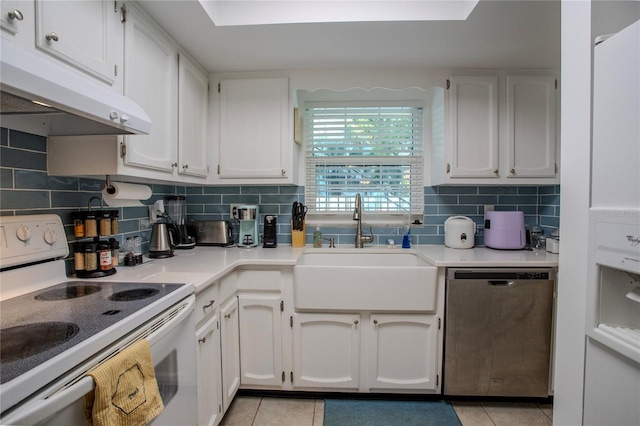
{"points": [[255, 415], [487, 413]]}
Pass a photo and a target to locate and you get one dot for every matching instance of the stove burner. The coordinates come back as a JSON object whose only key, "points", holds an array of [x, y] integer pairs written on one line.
{"points": [[69, 292], [135, 294], [23, 341]]}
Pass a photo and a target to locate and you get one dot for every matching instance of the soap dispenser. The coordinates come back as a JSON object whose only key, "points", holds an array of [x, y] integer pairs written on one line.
{"points": [[317, 238]]}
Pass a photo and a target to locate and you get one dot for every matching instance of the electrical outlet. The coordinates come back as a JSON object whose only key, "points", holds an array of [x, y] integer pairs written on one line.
{"points": [[233, 210]]}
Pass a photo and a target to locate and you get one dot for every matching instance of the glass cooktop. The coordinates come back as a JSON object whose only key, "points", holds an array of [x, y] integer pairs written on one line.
{"points": [[37, 326]]}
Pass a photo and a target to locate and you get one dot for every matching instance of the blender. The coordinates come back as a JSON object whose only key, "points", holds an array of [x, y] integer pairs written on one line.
{"points": [[248, 232], [176, 208]]}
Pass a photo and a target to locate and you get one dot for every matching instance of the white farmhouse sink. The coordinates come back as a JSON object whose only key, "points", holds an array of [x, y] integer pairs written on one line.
{"points": [[362, 257], [364, 279]]}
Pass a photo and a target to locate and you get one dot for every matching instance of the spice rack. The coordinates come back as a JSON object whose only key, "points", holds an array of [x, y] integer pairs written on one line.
{"points": [[93, 257]]}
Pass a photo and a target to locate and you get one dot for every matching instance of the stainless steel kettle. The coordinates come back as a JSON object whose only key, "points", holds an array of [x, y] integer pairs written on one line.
{"points": [[162, 240]]}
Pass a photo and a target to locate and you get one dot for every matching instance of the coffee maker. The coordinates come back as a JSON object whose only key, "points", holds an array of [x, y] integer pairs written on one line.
{"points": [[248, 230], [176, 208]]}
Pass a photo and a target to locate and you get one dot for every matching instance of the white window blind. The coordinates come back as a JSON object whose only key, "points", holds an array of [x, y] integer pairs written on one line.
{"points": [[376, 151]]}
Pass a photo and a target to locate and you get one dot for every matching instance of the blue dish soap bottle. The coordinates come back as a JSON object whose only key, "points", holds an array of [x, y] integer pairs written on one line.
{"points": [[406, 239]]}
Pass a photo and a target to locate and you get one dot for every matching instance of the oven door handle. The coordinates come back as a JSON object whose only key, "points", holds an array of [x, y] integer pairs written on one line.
{"points": [[36, 411]]}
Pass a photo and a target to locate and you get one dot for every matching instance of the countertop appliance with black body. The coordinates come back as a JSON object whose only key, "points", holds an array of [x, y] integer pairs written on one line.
{"points": [[498, 331], [54, 330]]}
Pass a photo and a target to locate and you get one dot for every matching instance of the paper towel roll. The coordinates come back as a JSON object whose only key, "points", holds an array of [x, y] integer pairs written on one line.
{"points": [[121, 194]]}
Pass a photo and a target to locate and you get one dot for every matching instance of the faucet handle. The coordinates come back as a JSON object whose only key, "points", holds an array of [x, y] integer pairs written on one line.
{"points": [[368, 238]]}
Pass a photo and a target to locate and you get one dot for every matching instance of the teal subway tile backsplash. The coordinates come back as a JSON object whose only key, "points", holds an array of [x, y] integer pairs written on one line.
{"points": [[25, 188]]}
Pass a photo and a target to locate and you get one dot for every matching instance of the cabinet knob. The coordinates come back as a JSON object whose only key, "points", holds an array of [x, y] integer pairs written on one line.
{"points": [[227, 316], [375, 322], [448, 168], [356, 322], [51, 36], [208, 305], [15, 14], [202, 340], [185, 166], [283, 172], [512, 171], [495, 171], [174, 164]]}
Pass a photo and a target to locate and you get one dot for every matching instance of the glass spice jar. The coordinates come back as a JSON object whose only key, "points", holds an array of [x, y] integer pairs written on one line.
{"points": [[115, 251], [104, 254], [129, 258], [78, 224], [114, 222], [137, 249], [78, 257], [90, 224], [90, 257], [105, 222]]}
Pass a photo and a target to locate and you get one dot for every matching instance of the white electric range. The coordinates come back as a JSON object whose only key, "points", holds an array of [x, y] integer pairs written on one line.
{"points": [[55, 329]]}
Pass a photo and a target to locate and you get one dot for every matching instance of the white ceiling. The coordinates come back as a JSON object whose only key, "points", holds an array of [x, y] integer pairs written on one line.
{"points": [[497, 34]]}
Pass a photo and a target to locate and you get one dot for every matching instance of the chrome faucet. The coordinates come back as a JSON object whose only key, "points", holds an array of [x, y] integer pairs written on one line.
{"points": [[357, 215]]}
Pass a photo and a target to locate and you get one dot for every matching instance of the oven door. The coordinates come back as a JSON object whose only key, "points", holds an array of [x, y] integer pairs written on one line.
{"points": [[173, 350]]}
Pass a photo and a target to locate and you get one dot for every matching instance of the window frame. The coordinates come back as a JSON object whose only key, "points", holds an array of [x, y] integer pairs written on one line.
{"points": [[389, 218]]}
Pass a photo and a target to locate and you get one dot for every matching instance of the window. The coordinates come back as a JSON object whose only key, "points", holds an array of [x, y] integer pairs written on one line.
{"points": [[374, 150]]}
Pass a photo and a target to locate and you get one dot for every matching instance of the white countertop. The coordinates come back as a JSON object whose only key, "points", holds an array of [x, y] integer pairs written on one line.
{"points": [[204, 265]]}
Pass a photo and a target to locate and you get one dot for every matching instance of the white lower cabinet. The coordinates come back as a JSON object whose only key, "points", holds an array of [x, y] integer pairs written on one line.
{"points": [[261, 340], [209, 373], [403, 352], [230, 344], [326, 351], [366, 352]]}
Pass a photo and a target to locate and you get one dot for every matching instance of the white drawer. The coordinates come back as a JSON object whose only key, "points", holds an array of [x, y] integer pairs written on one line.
{"points": [[206, 302]]}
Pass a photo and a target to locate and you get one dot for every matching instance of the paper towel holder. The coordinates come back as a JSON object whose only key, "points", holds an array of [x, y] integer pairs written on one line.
{"points": [[108, 186]]}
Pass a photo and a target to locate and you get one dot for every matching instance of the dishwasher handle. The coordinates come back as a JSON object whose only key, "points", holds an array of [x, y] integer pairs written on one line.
{"points": [[500, 283]]}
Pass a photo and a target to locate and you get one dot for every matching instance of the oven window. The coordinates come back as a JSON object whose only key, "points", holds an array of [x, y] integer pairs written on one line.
{"points": [[167, 377]]}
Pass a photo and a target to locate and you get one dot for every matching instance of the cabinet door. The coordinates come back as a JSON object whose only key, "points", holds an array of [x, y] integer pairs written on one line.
{"points": [[413, 339], [230, 344], [326, 350], [85, 34], [531, 126], [151, 80], [193, 101], [17, 18], [254, 137], [260, 341], [209, 373], [473, 143]]}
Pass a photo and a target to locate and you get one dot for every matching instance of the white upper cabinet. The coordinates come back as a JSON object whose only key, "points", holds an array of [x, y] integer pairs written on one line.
{"points": [[497, 130], [17, 20], [151, 80], [193, 101], [473, 150], [173, 90], [531, 126], [84, 34], [255, 135]]}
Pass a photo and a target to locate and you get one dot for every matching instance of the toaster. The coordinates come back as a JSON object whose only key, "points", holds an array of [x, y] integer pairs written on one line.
{"points": [[211, 232]]}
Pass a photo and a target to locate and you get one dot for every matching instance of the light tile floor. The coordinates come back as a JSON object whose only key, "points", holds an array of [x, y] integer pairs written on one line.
{"points": [[263, 411]]}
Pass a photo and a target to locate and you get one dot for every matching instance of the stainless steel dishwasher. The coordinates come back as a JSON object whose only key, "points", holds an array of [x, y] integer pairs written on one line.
{"points": [[498, 331]]}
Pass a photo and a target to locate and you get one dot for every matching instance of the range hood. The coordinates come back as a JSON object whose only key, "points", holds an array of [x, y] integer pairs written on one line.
{"points": [[40, 96]]}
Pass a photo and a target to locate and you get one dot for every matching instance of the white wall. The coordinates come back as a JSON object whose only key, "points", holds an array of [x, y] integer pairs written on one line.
{"points": [[575, 149]]}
